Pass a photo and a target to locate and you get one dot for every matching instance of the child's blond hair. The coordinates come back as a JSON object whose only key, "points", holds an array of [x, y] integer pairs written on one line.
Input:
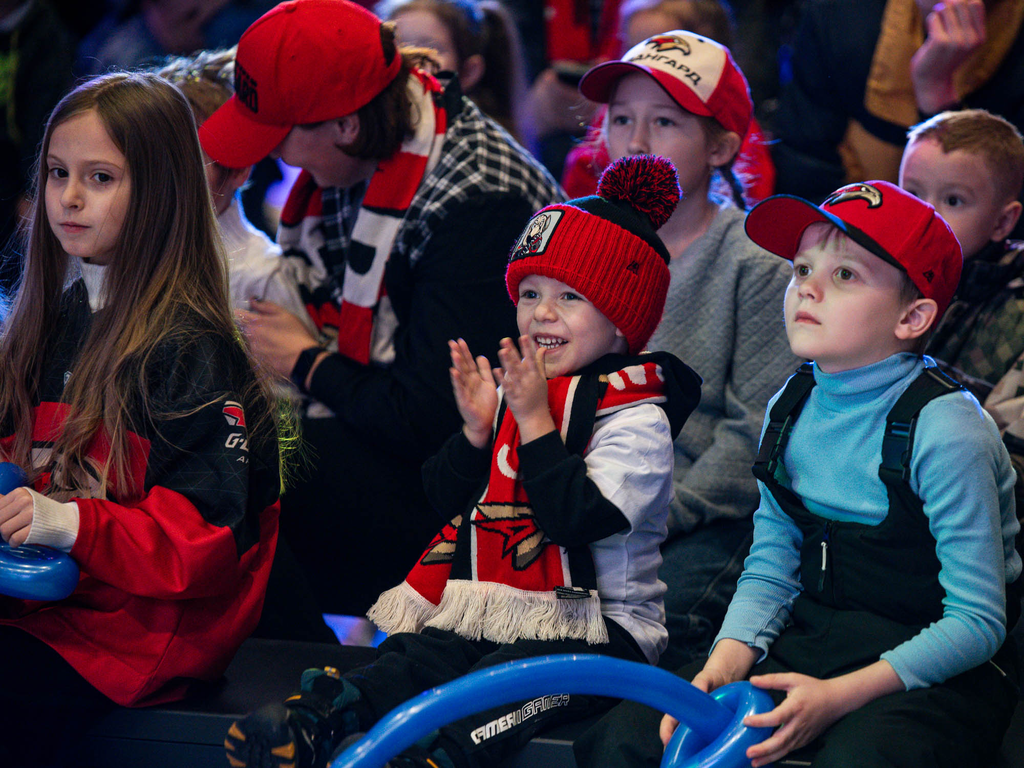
{"points": [[205, 79], [206, 82], [977, 131]]}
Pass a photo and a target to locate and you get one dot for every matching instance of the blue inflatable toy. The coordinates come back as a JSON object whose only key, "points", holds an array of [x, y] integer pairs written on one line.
{"points": [[32, 572], [711, 733], [11, 476]]}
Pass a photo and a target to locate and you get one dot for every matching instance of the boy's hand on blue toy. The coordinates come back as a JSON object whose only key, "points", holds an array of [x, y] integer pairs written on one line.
{"points": [[16, 511], [812, 705], [476, 392], [525, 387]]}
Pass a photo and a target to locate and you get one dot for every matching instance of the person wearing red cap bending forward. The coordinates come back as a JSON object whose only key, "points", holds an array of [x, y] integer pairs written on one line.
{"points": [[399, 225], [875, 602]]}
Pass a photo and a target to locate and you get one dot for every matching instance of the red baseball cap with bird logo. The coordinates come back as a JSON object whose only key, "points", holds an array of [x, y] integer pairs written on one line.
{"points": [[882, 218]]}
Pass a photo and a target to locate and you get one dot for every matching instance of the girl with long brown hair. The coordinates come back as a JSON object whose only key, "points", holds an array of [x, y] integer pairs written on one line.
{"points": [[128, 397]]}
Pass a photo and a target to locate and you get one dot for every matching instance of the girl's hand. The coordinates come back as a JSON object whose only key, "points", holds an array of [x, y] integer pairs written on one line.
{"points": [[955, 29], [525, 387], [16, 511], [476, 392], [276, 337], [811, 706]]}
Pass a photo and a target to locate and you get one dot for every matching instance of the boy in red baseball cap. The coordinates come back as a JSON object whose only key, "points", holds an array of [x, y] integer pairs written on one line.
{"points": [[875, 601], [397, 231]]}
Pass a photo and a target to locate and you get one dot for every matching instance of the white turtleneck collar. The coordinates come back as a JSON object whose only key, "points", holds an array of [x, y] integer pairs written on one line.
{"points": [[95, 276]]}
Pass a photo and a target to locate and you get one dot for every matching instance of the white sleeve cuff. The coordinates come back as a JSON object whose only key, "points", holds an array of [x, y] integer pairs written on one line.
{"points": [[54, 524]]}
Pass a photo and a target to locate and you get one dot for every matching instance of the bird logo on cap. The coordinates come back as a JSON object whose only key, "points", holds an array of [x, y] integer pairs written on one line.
{"points": [[867, 192], [663, 43]]}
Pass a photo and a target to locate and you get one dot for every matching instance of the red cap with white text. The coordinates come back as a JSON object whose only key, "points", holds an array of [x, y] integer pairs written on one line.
{"points": [[698, 73]]}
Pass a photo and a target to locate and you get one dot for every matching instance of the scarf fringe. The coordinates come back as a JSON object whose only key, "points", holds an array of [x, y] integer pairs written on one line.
{"points": [[503, 614], [401, 609]]}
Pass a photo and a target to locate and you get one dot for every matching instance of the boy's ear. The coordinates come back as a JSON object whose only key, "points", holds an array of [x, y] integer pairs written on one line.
{"points": [[725, 149], [348, 129], [1006, 221], [625, 342], [238, 177], [471, 71], [918, 317]]}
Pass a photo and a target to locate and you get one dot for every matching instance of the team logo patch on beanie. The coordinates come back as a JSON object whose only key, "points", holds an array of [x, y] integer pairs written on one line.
{"points": [[537, 235]]}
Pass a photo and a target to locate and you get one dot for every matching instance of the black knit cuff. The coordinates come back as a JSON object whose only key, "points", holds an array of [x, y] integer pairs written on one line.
{"points": [[466, 459], [303, 365], [541, 454]]}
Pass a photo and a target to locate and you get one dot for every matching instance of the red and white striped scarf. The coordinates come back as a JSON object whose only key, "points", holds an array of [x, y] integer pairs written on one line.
{"points": [[358, 320], [510, 581]]}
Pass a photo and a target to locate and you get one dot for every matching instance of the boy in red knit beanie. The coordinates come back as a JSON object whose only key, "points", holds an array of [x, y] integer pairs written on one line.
{"points": [[557, 491]]}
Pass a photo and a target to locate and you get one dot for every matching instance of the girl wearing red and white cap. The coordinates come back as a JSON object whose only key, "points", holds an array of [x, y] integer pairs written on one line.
{"points": [[680, 95]]}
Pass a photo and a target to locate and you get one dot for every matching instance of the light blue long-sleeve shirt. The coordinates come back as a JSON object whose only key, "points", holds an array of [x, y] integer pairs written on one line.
{"points": [[959, 469]]}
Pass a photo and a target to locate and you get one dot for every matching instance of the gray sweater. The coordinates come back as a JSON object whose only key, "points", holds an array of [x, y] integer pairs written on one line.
{"points": [[724, 319]]}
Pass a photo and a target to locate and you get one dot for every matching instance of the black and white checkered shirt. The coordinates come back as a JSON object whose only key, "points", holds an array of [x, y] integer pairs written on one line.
{"points": [[478, 157]]}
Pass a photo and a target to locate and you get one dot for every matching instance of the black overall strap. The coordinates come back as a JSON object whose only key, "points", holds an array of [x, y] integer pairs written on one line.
{"points": [[898, 439], [780, 422], [898, 446]]}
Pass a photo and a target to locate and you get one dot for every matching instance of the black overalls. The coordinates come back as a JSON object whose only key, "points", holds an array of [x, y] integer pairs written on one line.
{"points": [[869, 588], [866, 590]]}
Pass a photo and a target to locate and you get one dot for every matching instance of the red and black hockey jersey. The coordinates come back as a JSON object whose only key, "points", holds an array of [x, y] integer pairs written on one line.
{"points": [[173, 580]]}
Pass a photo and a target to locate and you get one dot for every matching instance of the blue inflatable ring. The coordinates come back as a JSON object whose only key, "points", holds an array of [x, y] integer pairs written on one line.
{"points": [[32, 572], [711, 731]]}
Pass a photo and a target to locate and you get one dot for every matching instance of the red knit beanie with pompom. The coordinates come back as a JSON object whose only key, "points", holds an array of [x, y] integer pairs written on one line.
{"points": [[606, 246]]}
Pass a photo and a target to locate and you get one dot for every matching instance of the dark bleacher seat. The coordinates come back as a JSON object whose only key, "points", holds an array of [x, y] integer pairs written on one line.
{"points": [[192, 733]]}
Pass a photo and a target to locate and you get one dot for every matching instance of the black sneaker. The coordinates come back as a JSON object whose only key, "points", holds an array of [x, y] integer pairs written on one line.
{"points": [[302, 732], [270, 737]]}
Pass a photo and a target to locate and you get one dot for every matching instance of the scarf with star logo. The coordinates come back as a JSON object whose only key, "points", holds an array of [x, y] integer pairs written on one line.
{"points": [[493, 573]]}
